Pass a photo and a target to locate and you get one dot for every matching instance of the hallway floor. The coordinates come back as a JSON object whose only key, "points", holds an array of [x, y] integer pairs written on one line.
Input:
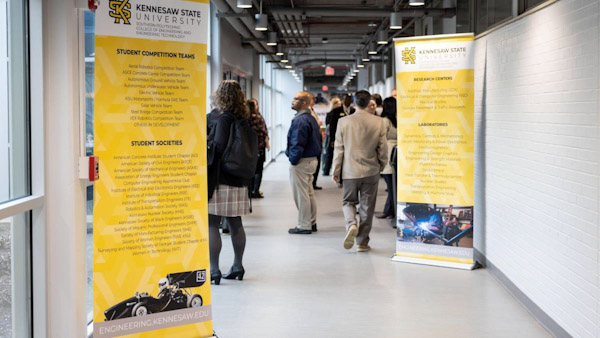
{"points": [[309, 286]]}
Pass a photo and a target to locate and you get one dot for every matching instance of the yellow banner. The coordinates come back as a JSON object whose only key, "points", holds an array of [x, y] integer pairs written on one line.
{"points": [[434, 82], [151, 262]]}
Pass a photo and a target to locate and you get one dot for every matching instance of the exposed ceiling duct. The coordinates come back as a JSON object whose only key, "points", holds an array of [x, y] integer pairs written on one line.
{"points": [[363, 12]]}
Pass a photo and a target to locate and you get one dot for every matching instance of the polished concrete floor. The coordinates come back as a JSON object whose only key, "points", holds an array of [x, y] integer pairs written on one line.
{"points": [[309, 286]]}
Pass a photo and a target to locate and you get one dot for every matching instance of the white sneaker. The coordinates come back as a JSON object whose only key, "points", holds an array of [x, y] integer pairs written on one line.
{"points": [[350, 236]]}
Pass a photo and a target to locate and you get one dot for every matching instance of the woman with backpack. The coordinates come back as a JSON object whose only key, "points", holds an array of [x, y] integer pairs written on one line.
{"points": [[230, 144]]}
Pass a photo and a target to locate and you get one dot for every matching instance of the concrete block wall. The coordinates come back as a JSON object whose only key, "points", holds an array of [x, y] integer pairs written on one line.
{"points": [[537, 159]]}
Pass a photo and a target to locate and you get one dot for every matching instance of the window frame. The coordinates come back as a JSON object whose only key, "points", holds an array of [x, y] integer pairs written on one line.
{"points": [[519, 12], [32, 204]]}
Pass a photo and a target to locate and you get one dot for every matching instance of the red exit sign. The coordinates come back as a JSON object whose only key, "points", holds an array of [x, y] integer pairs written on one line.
{"points": [[329, 71]]}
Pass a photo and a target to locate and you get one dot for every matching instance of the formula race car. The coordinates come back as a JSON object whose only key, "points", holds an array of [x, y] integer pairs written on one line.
{"points": [[173, 295]]}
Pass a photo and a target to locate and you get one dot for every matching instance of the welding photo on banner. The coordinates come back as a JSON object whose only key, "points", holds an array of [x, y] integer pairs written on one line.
{"points": [[437, 224]]}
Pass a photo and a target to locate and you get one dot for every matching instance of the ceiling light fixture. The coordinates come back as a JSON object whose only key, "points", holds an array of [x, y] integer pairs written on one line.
{"points": [[289, 67], [262, 20], [382, 38], [272, 41], [359, 63], [284, 58], [416, 2], [365, 57], [244, 3], [324, 41], [279, 50], [372, 50], [395, 20]]}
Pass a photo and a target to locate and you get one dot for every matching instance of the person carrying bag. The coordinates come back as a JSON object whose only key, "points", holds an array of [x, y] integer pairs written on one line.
{"points": [[233, 151]]}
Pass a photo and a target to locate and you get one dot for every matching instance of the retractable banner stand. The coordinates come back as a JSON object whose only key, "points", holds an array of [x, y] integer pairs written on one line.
{"points": [[434, 80], [151, 261]]}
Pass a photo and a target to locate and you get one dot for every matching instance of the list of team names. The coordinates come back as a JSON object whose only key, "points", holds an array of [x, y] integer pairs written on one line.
{"points": [[158, 92], [155, 176]]}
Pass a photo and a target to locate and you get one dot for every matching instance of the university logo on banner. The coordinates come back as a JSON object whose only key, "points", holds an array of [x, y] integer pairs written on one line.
{"points": [[409, 55], [120, 10]]}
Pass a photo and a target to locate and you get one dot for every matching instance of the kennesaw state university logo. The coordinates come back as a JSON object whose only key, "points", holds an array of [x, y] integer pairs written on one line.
{"points": [[409, 55], [120, 10]]}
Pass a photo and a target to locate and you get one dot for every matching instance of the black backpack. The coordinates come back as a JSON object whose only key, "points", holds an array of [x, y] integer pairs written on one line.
{"points": [[241, 155]]}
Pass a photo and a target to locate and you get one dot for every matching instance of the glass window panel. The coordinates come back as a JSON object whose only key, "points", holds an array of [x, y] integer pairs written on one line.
{"points": [[89, 19], [90, 57], [529, 4], [491, 12], [15, 310], [14, 116]]}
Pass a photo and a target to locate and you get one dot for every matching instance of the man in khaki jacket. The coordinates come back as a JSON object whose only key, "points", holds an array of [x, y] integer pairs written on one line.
{"points": [[360, 155]]}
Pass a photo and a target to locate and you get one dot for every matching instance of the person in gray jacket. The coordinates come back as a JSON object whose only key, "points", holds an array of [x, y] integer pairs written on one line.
{"points": [[360, 155]]}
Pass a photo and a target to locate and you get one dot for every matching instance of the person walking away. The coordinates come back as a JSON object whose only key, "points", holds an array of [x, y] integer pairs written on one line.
{"points": [[303, 148], [258, 124], [332, 119], [389, 119], [360, 155], [320, 123], [228, 195], [327, 157]]}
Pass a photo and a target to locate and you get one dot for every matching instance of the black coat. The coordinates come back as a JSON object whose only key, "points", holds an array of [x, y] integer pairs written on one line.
{"points": [[332, 120], [219, 128]]}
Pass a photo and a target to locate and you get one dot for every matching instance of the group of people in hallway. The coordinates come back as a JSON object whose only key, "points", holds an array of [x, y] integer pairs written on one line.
{"points": [[360, 136], [358, 147]]}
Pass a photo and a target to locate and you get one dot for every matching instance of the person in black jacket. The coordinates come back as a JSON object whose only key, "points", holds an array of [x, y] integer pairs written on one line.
{"points": [[332, 121], [228, 199], [303, 148]]}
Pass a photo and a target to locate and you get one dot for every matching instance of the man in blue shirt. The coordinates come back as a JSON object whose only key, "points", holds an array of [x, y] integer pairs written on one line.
{"points": [[303, 148]]}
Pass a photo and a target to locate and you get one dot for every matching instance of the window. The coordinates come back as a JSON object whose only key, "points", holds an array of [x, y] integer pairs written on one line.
{"points": [[529, 4], [15, 283], [14, 114], [491, 12], [89, 28], [16, 201]]}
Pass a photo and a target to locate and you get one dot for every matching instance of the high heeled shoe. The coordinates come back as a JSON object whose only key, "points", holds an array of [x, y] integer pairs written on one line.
{"points": [[216, 277], [233, 274]]}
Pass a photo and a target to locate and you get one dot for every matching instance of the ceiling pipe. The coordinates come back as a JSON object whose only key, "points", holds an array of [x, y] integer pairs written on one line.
{"points": [[239, 26], [248, 22], [364, 12], [325, 61], [288, 29], [300, 29], [282, 30]]}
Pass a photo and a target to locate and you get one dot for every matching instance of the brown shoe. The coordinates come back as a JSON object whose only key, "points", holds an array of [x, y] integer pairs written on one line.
{"points": [[362, 248]]}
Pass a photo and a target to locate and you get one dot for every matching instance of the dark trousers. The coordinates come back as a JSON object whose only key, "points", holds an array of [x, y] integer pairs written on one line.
{"points": [[316, 174], [257, 178], [389, 209], [327, 160]]}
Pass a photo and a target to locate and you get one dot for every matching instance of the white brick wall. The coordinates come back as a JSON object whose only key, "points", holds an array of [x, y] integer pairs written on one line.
{"points": [[537, 162]]}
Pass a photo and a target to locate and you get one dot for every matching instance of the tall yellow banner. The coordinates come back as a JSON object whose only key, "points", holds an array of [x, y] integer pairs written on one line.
{"points": [[434, 80], [151, 262]]}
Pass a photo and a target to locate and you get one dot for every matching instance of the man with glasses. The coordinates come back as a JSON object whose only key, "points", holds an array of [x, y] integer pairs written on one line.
{"points": [[303, 148]]}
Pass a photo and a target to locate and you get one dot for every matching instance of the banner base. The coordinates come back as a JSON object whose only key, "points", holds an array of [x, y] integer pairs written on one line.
{"points": [[453, 265]]}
